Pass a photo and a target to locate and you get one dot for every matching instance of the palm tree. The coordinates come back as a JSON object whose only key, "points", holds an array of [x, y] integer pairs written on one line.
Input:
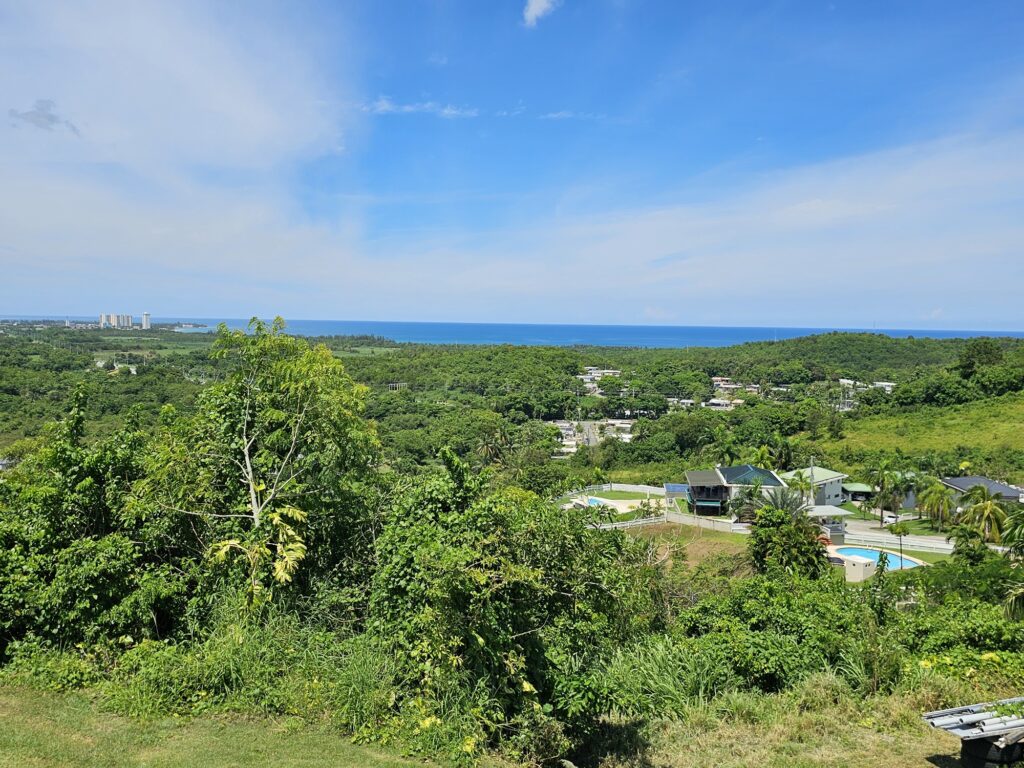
{"points": [[867, 505], [881, 476], [747, 503], [1013, 532], [760, 457], [938, 502], [985, 513], [1013, 537], [801, 483], [899, 530], [1014, 604], [787, 499], [782, 453], [495, 446], [723, 448]]}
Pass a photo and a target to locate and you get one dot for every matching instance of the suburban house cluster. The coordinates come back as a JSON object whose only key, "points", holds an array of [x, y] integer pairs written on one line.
{"points": [[710, 491]]}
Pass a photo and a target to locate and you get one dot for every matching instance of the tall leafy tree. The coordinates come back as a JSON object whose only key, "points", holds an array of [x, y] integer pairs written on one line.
{"points": [[788, 543], [272, 458]]}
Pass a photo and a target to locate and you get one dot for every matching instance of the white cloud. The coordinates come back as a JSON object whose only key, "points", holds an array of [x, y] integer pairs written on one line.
{"points": [[537, 9], [566, 114], [163, 84], [382, 105]]}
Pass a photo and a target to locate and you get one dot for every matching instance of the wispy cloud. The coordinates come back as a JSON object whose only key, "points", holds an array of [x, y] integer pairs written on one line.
{"points": [[566, 114], [383, 105], [43, 115], [537, 9]]}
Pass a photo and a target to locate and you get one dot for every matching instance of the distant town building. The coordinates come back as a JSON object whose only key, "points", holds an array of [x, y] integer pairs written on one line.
{"points": [[114, 320], [146, 325]]}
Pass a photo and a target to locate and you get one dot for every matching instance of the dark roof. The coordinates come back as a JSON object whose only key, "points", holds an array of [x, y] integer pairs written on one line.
{"points": [[972, 481], [747, 474], [703, 477]]}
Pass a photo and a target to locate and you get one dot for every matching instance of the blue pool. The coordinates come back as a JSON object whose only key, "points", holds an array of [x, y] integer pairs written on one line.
{"points": [[596, 502], [872, 554]]}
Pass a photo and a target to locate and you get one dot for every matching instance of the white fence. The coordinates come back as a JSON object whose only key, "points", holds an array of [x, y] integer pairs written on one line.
{"points": [[910, 543], [636, 523], [709, 523]]}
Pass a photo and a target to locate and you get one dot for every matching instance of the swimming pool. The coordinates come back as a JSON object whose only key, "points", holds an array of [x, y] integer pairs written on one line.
{"points": [[873, 554]]}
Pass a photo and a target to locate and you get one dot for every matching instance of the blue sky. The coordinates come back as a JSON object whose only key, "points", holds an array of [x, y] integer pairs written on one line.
{"points": [[607, 161]]}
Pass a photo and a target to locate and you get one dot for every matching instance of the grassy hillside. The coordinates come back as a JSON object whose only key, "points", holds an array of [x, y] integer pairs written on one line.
{"points": [[990, 427], [49, 730]]}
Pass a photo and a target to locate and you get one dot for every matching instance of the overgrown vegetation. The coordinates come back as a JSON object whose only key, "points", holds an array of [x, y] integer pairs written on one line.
{"points": [[272, 550]]}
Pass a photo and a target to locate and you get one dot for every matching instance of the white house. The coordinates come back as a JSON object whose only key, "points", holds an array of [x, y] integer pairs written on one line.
{"points": [[827, 484]]}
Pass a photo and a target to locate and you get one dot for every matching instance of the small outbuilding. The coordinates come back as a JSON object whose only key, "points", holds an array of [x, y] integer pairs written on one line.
{"points": [[858, 491]]}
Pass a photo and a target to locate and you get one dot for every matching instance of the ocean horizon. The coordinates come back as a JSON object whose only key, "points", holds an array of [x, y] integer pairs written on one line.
{"points": [[553, 334]]}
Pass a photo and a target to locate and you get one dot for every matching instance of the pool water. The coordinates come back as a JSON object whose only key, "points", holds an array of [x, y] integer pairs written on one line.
{"points": [[596, 502], [873, 554]]}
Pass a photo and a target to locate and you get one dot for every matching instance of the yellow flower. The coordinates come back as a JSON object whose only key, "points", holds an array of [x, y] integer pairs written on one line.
{"points": [[528, 688], [926, 664], [469, 745], [429, 722]]}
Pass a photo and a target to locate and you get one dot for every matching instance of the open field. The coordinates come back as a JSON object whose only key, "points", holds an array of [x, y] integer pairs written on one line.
{"points": [[44, 730], [701, 544], [988, 424]]}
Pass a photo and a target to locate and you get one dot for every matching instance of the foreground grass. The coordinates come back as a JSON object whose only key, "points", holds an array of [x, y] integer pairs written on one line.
{"points": [[40, 730], [819, 725], [805, 730]]}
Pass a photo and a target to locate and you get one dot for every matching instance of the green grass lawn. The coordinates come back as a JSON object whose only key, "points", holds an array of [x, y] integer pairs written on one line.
{"points": [[928, 557], [623, 496], [41, 730], [923, 527], [858, 513]]}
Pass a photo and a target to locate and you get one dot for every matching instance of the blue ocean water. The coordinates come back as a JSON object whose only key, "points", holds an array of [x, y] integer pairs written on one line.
{"points": [[570, 335], [530, 334]]}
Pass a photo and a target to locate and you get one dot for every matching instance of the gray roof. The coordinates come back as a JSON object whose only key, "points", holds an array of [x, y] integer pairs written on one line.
{"points": [[748, 474], [964, 484], [703, 477]]}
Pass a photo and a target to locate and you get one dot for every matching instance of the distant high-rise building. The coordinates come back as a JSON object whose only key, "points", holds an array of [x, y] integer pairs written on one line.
{"points": [[124, 321], [103, 320], [145, 321]]}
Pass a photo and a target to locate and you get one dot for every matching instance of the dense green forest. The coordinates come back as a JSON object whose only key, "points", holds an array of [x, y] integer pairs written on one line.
{"points": [[259, 525], [488, 403]]}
